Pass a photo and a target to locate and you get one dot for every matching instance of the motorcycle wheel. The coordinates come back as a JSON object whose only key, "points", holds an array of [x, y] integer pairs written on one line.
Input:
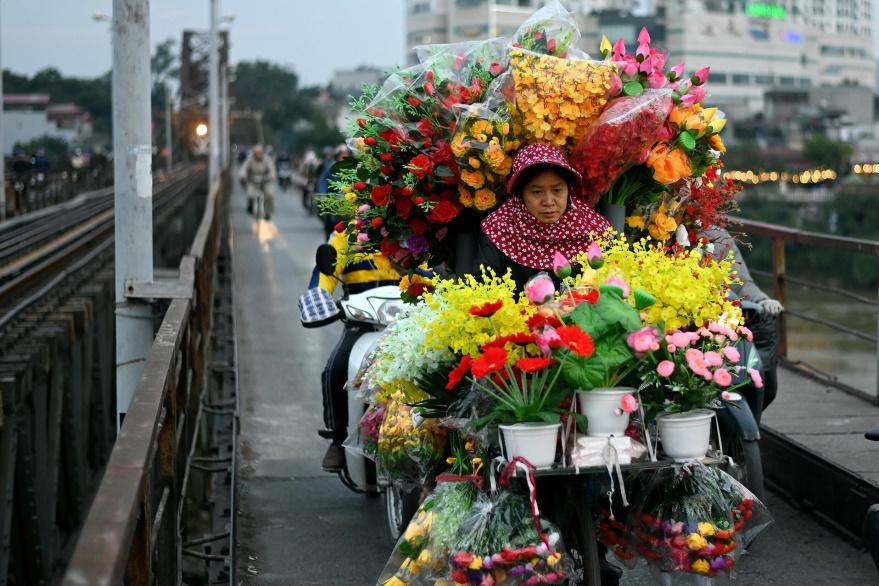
{"points": [[579, 534], [746, 455], [400, 506]]}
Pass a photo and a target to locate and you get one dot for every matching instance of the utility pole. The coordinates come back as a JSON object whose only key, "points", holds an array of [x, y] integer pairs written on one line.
{"points": [[169, 139], [133, 191], [224, 116], [214, 94], [2, 144]]}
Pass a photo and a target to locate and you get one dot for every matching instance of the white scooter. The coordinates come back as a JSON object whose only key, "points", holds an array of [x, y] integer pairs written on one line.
{"points": [[371, 311]]}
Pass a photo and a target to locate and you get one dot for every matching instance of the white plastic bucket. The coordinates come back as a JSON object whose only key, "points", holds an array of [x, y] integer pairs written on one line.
{"points": [[536, 442], [685, 436], [603, 411]]}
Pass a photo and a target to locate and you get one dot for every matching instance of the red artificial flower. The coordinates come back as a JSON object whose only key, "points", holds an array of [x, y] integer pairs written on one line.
{"points": [[538, 35], [591, 297], [361, 122], [404, 208], [492, 360], [418, 200], [457, 374], [420, 166], [443, 153], [550, 45], [425, 128], [538, 320], [389, 247], [360, 185], [369, 140], [418, 226], [406, 191], [376, 223], [413, 101], [534, 364], [522, 338], [381, 195], [340, 227], [487, 309], [443, 213], [386, 157], [495, 69], [576, 340], [385, 170]]}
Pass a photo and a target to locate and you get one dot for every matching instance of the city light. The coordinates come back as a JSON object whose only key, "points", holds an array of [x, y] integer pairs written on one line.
{"points": [[809, 176], [201, 129], [866, 169]]}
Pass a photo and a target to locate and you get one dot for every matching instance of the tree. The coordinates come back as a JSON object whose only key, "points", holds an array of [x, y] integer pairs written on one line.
{"points": [[825, 152], [52, 146]]}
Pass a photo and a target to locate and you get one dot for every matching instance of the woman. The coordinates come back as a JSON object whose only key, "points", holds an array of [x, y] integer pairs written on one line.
{"points": [[539, 219]]}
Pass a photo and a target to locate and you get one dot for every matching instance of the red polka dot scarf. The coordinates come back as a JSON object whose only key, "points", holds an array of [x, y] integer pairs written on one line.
{"points": [[527, 241]]}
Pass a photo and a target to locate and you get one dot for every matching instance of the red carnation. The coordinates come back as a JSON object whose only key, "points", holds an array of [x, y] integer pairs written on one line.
{"points": [[418, 226], [340, 227], [369, 140], [534, 364], [425, 128], [457, 374], [492, 360], [443, 153], [385, 170], [576, 340], [386, 157], [487, 309], [420, 166], [381, 195], [404, 208], [442, 213], [360, 185], [376, 223]]}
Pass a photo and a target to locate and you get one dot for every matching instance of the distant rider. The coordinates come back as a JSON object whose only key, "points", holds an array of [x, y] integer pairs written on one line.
{"points": [[257, 175], [373, 271]]}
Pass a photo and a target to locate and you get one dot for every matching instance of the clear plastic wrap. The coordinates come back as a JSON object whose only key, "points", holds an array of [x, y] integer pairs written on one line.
{"points": [[551, 30], [409, 448], [497, 543], [364, 438], [695, 519], [557, 100], [422, 552], [484, 147], [621, 137]]}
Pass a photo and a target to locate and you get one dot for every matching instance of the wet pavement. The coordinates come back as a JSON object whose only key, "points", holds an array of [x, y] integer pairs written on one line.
{"points": [[298, 525]]}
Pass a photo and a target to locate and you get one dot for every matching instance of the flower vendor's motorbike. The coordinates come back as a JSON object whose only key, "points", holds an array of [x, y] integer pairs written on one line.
{"points": [[739, 417], [370, 312]]}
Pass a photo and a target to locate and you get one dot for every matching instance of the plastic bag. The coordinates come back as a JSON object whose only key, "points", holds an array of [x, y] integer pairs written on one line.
{"points": [[551, 30], [364, 438], [497, 543], [422, 552], [621, 137], [556, 100], [695, 519], [484, 147], [409, 447]]}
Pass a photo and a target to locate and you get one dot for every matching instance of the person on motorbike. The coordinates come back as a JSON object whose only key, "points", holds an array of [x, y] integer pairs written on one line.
{"points": [[373, 271], [257, 175], [323, 185]]}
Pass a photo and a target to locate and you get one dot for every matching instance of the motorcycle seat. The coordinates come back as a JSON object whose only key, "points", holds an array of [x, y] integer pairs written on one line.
{"points": [[873, 434]]}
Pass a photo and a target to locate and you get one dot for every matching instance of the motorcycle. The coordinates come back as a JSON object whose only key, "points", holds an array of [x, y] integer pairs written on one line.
{"points": [[370, 312], [739, 417], [285, 175]]}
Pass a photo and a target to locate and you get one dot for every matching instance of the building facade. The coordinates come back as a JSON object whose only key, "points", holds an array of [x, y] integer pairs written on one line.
{"points": [[30, 116]]}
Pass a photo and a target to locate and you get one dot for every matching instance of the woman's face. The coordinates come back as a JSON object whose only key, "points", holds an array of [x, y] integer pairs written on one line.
{"points": [[546, 196]]}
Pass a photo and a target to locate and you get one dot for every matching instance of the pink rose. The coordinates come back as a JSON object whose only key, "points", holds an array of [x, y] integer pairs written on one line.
{"points": [[732, 354], [540, 289], [665, 368], [713, 358], [756, 377], [629, 403], [643, 340], [722, 377]]}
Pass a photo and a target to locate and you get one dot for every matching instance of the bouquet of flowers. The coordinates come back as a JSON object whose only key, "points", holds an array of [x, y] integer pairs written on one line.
{"points": [[409, 447], [692, 369], [695, 519], [498, 543], [365, 437]]}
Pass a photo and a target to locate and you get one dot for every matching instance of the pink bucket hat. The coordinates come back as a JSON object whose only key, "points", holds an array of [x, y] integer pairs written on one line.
{"points": [[539, 154]]}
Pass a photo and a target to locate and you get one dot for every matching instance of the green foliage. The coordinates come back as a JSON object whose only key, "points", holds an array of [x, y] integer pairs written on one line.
{"points": [[53, 146], [824, 152]]}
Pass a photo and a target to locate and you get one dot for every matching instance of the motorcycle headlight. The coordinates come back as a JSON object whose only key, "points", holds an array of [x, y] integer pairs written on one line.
{"points": [[389, 311]]}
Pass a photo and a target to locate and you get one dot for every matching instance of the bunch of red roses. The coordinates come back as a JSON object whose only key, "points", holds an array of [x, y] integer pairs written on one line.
{"points": [[708, 202]]}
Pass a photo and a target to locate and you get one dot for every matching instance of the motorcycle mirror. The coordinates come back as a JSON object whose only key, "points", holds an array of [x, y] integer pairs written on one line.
{"points": [[325, 259]]}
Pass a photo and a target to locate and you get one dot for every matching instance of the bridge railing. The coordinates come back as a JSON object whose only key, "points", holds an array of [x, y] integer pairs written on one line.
{"points": [[132, 534], [781, 237]]}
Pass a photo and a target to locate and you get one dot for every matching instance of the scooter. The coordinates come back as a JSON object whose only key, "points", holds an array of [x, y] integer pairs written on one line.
{"points": [[285, 176], [370, 311]]}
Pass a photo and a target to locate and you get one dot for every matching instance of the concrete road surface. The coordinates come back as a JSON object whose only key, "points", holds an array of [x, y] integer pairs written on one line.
{"points": [[298, 526]]}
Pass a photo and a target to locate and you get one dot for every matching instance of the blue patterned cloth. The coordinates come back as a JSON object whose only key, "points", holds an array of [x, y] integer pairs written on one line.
{"points": [[317, 308]]}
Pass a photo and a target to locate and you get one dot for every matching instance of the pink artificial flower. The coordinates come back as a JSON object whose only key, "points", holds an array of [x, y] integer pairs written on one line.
{"points": [[681, 339], [547, 339], [756, 377], [665, 133], [629, 403], [540, 289], [619, 283], [363, 237], [642, 51], [646, 65], [732, 354], [594, 256], [723, 330], [616, 84], [671, 348], [363, 208], [619, 50], [704, 332], [643, 340], [688, 100], [656, 79], [697, 92], [677, 70], [658, 58], [749, 335], [643, 36], [722, 377], [701, 76], [712, 358], [630, 69], [696, 362], [561, 266], [665, 368]]}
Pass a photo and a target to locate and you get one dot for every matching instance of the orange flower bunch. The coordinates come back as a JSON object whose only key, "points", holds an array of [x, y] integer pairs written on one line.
{"points": [[483, 147], [558, 99]]}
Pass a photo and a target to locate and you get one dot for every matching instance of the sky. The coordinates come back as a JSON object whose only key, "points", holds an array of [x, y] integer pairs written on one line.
{"points": [[312, 37]]}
